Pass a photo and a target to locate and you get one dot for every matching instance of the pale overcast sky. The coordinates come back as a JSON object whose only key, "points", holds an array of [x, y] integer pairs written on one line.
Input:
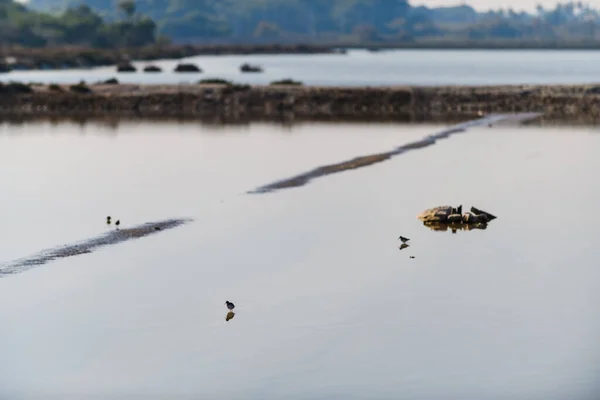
{"points": [[528, 5]]}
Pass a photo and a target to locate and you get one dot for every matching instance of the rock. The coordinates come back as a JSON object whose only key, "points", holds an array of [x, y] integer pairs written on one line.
{"points": [[152, 68], [454, 218], [447, 215], [250, 68], [187, 68], [437, 214], [126, 67], [488, 216]]}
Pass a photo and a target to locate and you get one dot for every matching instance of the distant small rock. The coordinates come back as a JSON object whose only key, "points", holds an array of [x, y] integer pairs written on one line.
{"points": [[126, 67], [250, 68], [152, 68], [187, 68]]}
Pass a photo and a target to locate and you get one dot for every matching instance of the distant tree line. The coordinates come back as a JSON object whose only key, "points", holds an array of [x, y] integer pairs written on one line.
{"points": [[78, 25], [109, 23]]}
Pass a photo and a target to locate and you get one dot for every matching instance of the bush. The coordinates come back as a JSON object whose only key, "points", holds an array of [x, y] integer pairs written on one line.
{"points": [[290, 82], [14, 88], [55, 88], [81, 87]]}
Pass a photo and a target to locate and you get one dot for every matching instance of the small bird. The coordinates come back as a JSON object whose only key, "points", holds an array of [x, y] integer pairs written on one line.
{"points": [[412, 256], [229, 305], [404, 240], [118, 223], [108, 220]]}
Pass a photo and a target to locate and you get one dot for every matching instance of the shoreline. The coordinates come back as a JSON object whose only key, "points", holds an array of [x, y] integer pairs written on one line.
{"points": [[59, 58], [19, 58], [229, 102]]}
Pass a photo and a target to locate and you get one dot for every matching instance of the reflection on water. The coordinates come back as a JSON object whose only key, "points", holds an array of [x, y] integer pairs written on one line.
{"points": [[229, 315], [454, 226], [403, 246]]}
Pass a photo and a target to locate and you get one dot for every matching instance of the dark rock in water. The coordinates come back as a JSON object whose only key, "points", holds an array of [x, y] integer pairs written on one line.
{"points": [[481, 212], [187, 68], [126, 67], [454, 218], [152, 68], [444, 217], [111, 81], [250, 68]]}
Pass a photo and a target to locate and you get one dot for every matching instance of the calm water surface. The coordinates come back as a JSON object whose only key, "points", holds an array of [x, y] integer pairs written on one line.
{"points": [[360, 67], [327, 306]]}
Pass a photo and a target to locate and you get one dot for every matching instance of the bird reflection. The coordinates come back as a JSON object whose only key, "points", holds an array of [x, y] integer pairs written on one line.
{"points": [[229, 315], [403, 246]]}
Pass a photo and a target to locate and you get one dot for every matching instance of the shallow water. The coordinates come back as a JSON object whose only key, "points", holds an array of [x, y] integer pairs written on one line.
{"points": [[326, 304], [360, 67]]}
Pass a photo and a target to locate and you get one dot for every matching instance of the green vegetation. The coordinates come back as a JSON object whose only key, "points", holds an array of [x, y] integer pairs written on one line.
{"points": [[348, 22], [81, 87], [55, 88], [14, 88], [79, 25]]}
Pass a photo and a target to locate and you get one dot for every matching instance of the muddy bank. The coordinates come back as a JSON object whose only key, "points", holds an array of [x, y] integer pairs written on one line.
{"points": [[368, 160], [276, 102], [90, 245]]}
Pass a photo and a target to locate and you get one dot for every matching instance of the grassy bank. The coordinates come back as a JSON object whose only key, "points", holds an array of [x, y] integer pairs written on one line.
{"points": [[282, 101]]}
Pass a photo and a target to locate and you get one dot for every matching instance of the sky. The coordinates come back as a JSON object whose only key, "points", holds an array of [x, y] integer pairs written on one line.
{"points": [[481, 5]]}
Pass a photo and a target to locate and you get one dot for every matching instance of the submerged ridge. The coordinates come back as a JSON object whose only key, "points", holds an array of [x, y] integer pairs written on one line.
{"points": [[87, 246], [364, 161]]}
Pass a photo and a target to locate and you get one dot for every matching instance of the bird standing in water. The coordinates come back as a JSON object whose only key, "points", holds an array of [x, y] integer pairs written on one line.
{"points": [[108, 220], [229, 305], [118, 223], [404, 240]]}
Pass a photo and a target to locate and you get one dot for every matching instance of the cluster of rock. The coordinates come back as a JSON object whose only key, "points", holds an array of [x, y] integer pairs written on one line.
{"points": [[454, 215], [183, 67]]}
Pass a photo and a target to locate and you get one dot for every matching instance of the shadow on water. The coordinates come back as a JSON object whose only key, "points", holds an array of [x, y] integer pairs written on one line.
{"points": [[364, 161], [87, 246]]}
